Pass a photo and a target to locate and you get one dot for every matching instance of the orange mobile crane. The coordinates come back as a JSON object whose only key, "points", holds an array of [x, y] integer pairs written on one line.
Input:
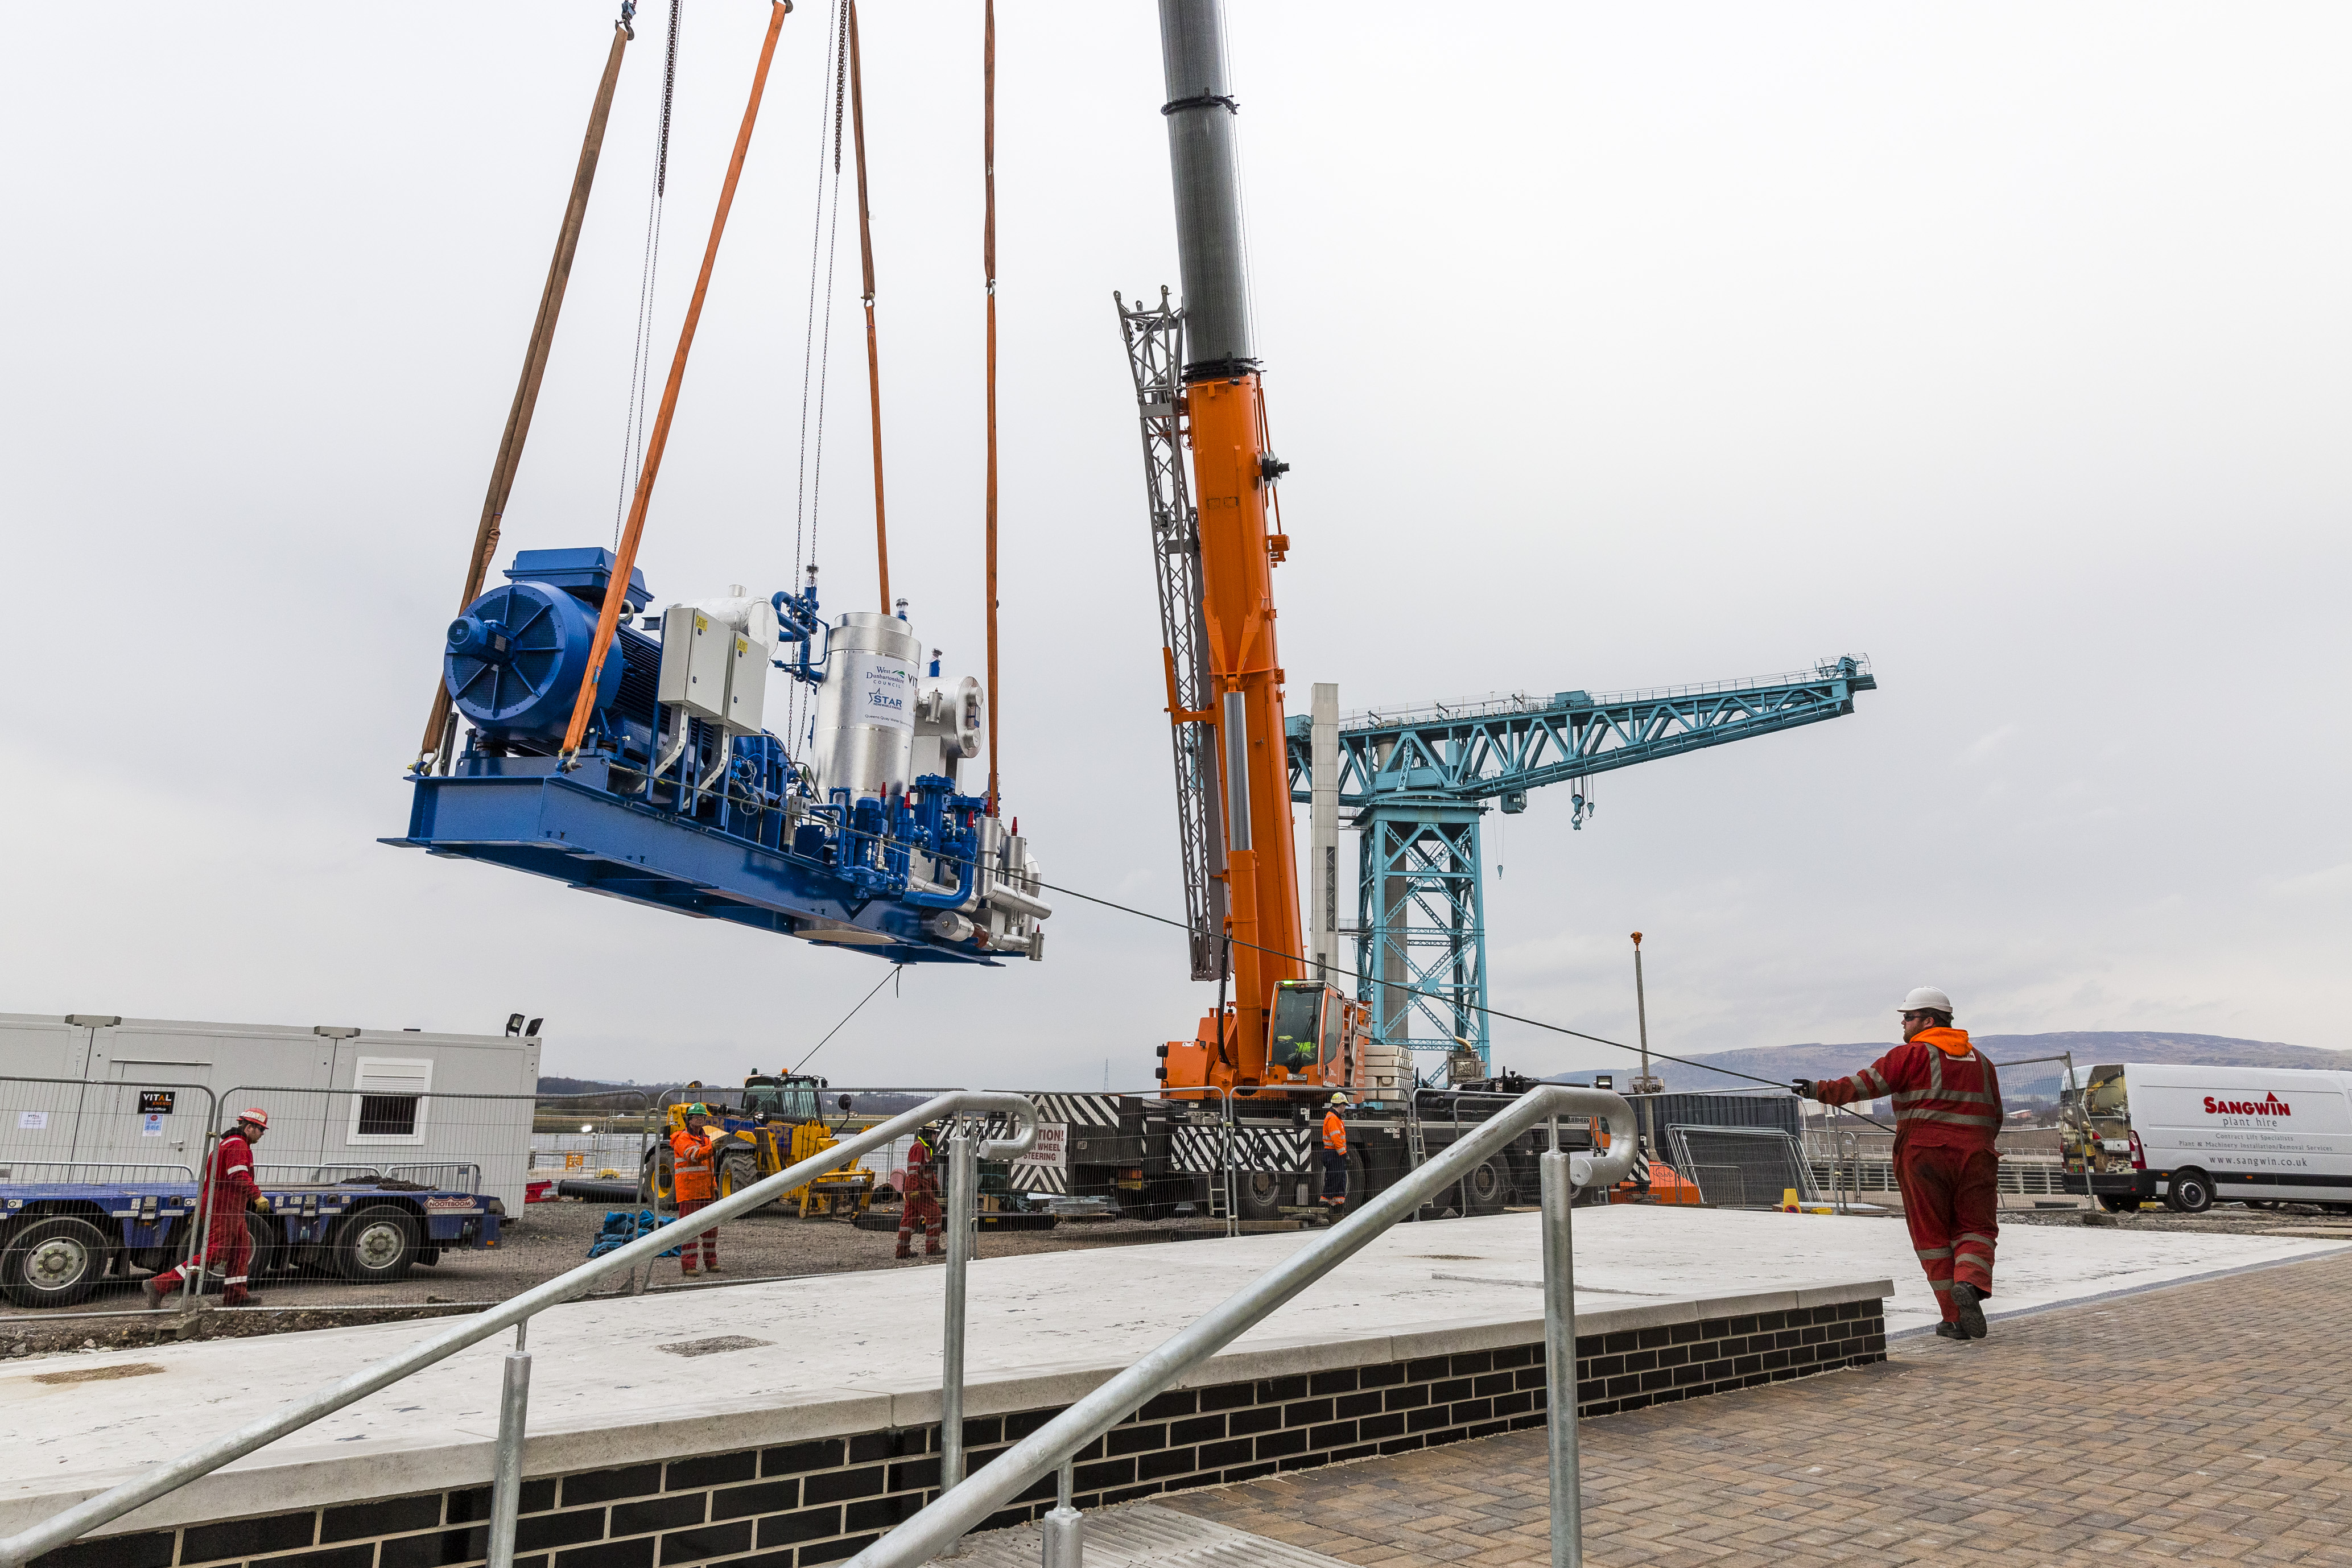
{"points": [[1198, 377]]}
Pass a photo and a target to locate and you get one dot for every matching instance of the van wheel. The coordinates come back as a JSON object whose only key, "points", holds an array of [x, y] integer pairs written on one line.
{"points": [[52, 1262], [378, 1244], [2191, 1191]]}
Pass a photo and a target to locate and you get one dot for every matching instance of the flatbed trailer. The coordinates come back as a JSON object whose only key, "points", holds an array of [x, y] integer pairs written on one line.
{"points": [[60, 1239], [1151, 1154]]}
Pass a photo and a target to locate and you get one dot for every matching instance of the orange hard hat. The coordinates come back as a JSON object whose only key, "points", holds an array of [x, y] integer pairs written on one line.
{"points": [[257, 1116]]}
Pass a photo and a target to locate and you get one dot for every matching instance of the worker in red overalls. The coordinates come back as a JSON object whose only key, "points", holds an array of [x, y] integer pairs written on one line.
{"points": [[1334, 1156], [229, 1190], [922, 1199], [694, 1171], [1947, 1121]]}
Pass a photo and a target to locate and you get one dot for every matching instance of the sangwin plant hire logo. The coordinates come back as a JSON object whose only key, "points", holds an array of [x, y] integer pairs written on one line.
{"points": [[2270, 1105]]}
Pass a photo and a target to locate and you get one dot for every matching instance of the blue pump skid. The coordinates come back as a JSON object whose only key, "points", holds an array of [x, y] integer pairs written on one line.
{"points": [[669, 810], [524, 814]]}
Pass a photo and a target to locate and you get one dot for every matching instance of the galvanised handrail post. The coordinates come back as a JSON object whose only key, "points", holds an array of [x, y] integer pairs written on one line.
{"points": [[957, 1510], [963, 1200], [506, 1468], [113, 1503], [1559, 1356], [1064, 1529]]}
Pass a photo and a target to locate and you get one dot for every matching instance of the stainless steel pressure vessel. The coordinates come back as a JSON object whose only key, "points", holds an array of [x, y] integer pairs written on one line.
{"points": [[864, 738]]}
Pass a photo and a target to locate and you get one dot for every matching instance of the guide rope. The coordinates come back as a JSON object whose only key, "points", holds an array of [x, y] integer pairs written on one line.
{"points": [[1418, 991]]}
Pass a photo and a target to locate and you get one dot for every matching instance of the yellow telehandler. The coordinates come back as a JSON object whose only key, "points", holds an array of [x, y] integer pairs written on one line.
{"points": [[779, 1124]]}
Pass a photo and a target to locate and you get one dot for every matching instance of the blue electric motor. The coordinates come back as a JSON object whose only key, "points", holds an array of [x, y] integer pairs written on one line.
{"points": [[516, 657]]}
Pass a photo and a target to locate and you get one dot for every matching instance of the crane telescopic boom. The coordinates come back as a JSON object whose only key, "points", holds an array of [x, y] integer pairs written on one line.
{"points": [[1234, 476]]}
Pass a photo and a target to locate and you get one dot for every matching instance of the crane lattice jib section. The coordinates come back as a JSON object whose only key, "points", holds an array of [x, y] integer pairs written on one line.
{"points": [[1517, 744], [1155, 359]]}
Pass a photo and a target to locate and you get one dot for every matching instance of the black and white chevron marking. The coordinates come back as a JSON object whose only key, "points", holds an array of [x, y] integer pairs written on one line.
{"points": [[1078, 1110]]}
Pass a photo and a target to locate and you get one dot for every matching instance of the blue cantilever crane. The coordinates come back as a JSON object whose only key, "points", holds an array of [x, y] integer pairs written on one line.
{"points": [[1419, 781]]}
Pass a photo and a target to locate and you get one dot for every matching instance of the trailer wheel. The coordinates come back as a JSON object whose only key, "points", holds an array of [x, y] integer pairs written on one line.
{"points": [[376, 1245], [268, 1244], [52, 1262], [1259, 1195], [1486, 1189], [2191, 1191]]}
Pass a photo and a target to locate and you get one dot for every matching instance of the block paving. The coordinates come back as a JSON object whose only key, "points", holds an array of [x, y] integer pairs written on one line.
{"points": [[2203, 1423]]}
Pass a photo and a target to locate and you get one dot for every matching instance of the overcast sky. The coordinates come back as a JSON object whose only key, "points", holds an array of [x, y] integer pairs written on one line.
{"points": [[1612, 347]]}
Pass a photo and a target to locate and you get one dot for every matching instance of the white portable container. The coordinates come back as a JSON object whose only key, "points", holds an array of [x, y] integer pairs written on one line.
{"points": [[2194, 1135], [138, 1091]]}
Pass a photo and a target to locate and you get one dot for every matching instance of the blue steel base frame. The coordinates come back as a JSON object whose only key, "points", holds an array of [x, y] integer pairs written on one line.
{"points": [[524, 813], [1424, 926]]}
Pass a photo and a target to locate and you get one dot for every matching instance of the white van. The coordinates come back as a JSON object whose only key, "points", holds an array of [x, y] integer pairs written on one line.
{"points": [[2195, 1136]]}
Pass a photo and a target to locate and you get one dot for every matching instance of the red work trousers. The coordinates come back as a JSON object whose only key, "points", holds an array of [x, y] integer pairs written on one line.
{"points": [[1951, 1198], [923, 1209], [709, 1238], [228, 1251]]}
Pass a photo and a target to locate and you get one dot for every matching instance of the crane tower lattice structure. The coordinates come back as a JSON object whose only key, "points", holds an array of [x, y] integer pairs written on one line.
{"points": [[1420, 780]]}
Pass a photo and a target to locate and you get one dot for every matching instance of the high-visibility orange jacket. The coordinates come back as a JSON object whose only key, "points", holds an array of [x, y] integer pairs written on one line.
{"points": [[1946, 1093], [691, 1151], [1334, 1132]]}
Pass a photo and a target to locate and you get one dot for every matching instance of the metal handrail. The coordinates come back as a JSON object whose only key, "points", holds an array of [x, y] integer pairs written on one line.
{"points": [[83, 1517], [936, 1528]]}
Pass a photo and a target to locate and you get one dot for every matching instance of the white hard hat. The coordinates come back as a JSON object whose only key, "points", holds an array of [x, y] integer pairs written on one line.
{"points": [[1926, 997]]}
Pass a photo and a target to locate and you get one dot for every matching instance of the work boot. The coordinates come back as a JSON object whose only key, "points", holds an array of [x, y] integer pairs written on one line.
{"points": [[156, 1288], [904, 1251], [711, 1268], [1971, 1318], [239, 1296], [933, 1250], [1950, 1331]]}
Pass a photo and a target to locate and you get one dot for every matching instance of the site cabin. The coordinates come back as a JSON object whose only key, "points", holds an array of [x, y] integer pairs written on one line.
{"points": [[2195, 1136], [344, 1102]]}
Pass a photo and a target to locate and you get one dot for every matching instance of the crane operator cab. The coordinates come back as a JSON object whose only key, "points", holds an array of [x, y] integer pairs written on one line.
{"points": [[1316, 1032]]}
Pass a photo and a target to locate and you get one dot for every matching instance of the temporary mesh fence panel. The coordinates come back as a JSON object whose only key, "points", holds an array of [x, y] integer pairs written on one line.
{"points": [[99, 1184], [1767, 1162]]}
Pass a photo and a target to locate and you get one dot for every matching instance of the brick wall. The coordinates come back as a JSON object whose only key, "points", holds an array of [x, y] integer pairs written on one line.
{"points": [[821, 1502]]}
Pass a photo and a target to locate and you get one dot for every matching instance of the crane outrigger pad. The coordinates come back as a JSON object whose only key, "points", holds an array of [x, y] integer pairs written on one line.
{"points": [[524, 813]]}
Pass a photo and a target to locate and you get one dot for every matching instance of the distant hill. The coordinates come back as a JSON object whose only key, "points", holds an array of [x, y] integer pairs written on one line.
{"points": [[1778, 1064]]}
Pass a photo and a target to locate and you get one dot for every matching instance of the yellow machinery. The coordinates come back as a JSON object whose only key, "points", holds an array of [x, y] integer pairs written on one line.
{"points": [[779, 1124]]}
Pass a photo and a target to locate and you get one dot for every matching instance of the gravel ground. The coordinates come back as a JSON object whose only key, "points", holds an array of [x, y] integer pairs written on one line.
{"points": [[2236, 1219], [542, 1242]]}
